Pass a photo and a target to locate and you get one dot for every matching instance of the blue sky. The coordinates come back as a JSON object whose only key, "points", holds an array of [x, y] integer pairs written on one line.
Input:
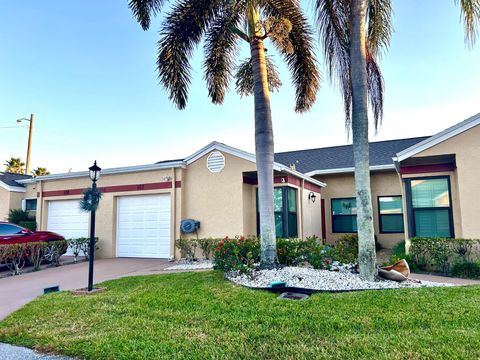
{"points": [[87, 71]]}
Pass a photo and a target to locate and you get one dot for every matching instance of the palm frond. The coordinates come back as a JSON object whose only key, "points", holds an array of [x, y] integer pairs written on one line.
{"points": [[180, 34], [380, 27], [301, 61], [244, 83], [221, 47], [470, 14], [143, 10], [332, 17], [375, 85]]}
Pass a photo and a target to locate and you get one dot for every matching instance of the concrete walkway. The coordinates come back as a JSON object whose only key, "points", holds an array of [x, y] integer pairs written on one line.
{"points": [[16, 291], [445, 279], [10, 352]]}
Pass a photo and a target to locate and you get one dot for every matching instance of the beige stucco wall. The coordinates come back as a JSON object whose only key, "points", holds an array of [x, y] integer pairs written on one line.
{"points": [[220, 201], [9, 200], [383, 183], [106, 213], [311, 214], [465, 180]]}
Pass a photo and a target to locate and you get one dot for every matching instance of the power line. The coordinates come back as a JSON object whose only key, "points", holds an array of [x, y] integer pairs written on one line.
{"points": [[13, 127]]}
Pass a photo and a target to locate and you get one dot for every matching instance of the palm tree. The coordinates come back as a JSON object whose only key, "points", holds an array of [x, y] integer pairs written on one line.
{"points": [[354, 33], [14, 165], [40, 171], [223, 25]]}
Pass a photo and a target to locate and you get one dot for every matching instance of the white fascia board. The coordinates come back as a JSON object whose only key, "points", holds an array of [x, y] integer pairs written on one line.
{"points": [[12, 188], [281, 167], [348, 170], [215, 145], [438, 138], [120, 170]]}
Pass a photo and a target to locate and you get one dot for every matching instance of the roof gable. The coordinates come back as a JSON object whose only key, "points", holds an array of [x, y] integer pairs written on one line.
{"points": [[9, 182], [438, 138]]}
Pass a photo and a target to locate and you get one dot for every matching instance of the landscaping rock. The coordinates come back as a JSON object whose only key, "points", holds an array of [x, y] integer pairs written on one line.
{"points": [[20, 353], [322, 280], [191, 265]]}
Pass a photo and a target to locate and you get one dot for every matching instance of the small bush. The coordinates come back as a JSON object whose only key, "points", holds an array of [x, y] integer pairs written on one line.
{"points": [[207, 246], [15, 216], [81, 246], [14, 256], [54, 250], [35, 251], [239, 254], [346, 249], [30, 225], [187, 248], [466, 269]]}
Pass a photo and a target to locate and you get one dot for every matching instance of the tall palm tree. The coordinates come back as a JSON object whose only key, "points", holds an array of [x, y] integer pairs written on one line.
{"points": [[223, 24], [354, 33], [40, 171], [14, 165]]}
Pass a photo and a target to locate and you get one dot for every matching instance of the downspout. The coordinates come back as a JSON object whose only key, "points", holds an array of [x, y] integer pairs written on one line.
{"points": [[40, 200], [406, 219], [174, 210], [302, 207]]}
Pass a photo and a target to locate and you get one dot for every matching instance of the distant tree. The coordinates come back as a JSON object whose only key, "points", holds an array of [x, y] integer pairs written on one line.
{"points": [[40, 171], [14, 165], [224, 25]]}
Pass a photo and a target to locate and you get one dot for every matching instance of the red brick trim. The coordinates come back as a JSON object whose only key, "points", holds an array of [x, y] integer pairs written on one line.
{"points": [[287, 179], [423, 169], [115, 188]]}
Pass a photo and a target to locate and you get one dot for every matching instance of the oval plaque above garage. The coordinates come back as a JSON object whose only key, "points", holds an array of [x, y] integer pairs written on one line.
{"points": [[215, 162]]}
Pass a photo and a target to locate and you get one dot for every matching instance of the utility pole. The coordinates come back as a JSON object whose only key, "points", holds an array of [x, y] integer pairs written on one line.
{"points": [[27, 164]]}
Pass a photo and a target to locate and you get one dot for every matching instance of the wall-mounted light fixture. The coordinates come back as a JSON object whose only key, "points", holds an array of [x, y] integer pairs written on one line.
{"points": [[312, 196]]}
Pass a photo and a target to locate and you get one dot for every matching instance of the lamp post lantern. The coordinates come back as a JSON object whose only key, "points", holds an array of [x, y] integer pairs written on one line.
{"points": [[94, 173]]}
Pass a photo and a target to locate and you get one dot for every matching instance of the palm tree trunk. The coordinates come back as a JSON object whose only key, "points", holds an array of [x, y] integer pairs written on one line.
{"points": [[264, 154], [358, 68]]}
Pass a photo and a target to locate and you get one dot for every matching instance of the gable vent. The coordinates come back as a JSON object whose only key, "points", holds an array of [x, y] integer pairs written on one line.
{"points": [[215, 162]]}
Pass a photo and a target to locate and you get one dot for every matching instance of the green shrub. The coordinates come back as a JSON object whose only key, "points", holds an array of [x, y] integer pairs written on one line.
{"points": [[15, 216], [187, 248], [239, 254], [35, 251], [81, 245], [14, 256], [322, 257], [466, 269], [346, 249], [440, 254], [54, 250], [207, 246], [30, 225]]}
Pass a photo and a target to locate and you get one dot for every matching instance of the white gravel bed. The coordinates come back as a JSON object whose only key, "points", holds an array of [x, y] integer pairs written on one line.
{"points": [[191, 265], [323, 280]]}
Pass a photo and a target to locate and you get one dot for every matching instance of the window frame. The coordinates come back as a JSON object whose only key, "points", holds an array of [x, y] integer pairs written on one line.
{"points": [[332, 216], [412, 230], [285, 211], [380, 215]]}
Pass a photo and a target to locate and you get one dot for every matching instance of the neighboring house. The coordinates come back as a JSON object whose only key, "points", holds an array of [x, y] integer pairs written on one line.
{"points": [[426, 186], [142, 206], [11, 192]]}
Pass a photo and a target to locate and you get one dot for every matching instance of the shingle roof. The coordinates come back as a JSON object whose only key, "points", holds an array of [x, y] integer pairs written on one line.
{"points": [[339, 157], [9, 178]]}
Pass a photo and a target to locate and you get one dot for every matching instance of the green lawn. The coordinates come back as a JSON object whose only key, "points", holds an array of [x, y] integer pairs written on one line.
{"points": [[200, 316]]}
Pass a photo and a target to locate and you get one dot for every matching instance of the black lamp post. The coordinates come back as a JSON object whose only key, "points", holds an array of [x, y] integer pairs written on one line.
{"points": [[94, 176]]}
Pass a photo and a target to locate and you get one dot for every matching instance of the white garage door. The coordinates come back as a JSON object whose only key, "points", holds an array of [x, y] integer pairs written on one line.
{"points": [[143, 226], [66, 219]]}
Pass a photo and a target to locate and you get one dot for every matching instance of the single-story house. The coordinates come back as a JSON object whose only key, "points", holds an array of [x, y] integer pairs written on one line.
{"points": [[426, 186], [142, 206], [12, 193]]}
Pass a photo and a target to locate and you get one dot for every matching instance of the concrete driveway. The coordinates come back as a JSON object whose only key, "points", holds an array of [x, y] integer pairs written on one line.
{"points": [[16, 291]]}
